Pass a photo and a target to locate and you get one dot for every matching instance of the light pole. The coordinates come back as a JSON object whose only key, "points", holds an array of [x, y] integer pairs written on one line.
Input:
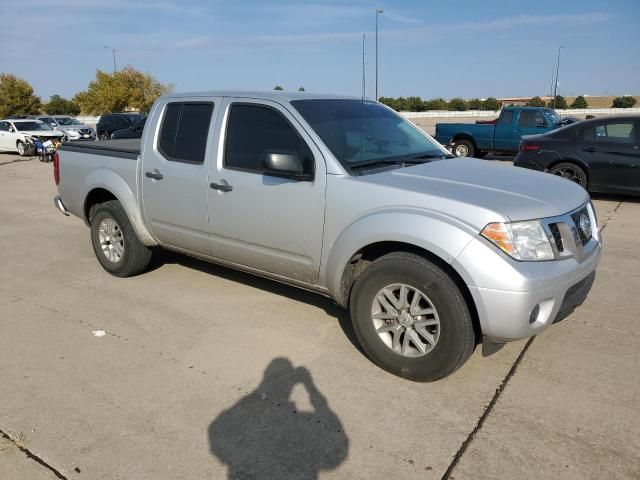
{"points": [[113, 50], [378, 11], [555, 88], [364, 84]]}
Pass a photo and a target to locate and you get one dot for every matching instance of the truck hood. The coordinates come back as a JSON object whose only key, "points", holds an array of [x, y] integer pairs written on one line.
{"points": [[474, 189]]}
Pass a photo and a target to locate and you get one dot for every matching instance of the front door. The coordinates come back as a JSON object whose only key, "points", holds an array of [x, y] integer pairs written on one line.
{"points": [[175, 173], [270, 223], [6, 138], [504, 130]]}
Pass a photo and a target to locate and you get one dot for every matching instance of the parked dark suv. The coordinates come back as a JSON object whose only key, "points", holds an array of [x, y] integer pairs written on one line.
{"points": [[110, 122]]}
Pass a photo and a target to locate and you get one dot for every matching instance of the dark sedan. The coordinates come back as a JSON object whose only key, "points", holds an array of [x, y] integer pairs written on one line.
{"points": [[134, 131], [601, 154]]}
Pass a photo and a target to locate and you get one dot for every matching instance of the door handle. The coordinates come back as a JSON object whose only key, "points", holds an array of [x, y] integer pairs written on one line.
{"points": [[590, 149], [223, 187], [156, 175]]}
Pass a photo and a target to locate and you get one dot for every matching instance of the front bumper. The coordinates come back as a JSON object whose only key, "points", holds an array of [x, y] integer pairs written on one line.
{"points": [[517, 300], [77, 135]]}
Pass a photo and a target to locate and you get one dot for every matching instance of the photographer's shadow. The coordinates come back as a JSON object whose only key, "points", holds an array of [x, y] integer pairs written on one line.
{"points": [[264, 436]]}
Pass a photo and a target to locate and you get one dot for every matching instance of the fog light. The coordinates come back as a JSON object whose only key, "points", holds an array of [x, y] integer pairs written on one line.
{"points": [[534, 314]]}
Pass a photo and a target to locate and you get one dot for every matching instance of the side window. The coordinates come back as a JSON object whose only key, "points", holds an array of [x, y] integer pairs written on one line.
{"points": [[530, 118], [184, 131], [253, 131], [119, 122], [621, 132], [506, 117], [4, 126]]}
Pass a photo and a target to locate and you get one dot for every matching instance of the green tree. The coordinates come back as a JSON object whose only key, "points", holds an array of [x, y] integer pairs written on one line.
{"points": [[536, 102], [414, 104], [278, 87], [16, 97], [579, 102], [61, 106], [475, 104], [301, 89], [491, 103], [623, 102], [457, 104], [126, 89], [561, 102], [435, 104]]}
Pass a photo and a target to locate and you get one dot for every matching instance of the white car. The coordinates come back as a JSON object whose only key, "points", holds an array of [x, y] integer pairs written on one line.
{"points": [[73, 129], [19, 135]]}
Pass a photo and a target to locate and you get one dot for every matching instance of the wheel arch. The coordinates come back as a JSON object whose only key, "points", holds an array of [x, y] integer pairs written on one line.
{"points": [[579, 163], [465, 136]]}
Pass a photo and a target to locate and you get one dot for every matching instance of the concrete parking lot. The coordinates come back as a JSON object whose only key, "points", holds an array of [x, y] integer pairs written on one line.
{"points": [[207, 373]]}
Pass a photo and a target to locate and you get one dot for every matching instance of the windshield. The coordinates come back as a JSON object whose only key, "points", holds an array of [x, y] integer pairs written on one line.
{"points": [[552, 114], [48, 121], [358, 132], [68, 121], [31, 126], [134, 117]]}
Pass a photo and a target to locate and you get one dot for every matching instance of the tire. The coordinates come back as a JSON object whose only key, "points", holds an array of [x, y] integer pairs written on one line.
{"points": [[453, 339], [463, 148], [572, 172], [103, 136], [110, 227], [21, 148]]}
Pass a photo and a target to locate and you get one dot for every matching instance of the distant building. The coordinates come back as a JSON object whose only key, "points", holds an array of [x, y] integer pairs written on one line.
{"points": [[519, 101]]}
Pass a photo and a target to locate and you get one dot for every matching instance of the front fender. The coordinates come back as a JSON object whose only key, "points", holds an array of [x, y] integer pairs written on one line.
{"points": [[442, 236], [114, 183]]}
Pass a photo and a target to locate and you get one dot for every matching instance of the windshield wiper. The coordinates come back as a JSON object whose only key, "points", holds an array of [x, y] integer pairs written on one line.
{"points": [[403, 161]]}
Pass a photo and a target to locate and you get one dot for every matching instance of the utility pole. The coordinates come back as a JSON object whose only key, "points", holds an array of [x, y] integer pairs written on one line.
{"points": [[555, 88], [378, 11], [113, 50], [364, 86]]}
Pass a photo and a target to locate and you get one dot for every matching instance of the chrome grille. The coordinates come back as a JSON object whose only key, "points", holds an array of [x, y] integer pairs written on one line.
{"points": [[583, 225], [557, 237]]}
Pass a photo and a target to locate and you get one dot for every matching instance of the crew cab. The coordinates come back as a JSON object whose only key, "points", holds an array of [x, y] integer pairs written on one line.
{"points": [[501, 135], [346, 198]]}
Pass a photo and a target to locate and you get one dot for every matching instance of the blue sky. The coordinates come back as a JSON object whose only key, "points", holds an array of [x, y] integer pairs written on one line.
{"points": [[427, 48]]}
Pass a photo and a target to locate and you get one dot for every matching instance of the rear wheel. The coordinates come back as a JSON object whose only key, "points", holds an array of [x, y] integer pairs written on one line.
{"points": [[103, 136], [115, 242], [411, 318], [572, 172], [463, 148]]}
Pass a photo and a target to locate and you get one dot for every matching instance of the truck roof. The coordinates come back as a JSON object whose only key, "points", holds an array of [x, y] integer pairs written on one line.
{"points": [[275, 95]]}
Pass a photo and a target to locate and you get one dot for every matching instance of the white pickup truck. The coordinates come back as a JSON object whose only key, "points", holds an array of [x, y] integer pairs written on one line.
{"points": [[346, 198]]}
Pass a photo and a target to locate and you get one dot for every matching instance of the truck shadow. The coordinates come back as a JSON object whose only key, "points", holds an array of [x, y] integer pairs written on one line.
{"points": [[265, 435], [162, 257]]}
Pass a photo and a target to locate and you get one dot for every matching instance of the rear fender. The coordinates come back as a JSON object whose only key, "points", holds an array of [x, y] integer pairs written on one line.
{"points": [[114, 183]]}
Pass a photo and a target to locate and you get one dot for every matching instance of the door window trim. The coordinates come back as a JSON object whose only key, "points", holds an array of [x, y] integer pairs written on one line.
{"points": [[279, 112], [162, 119]]}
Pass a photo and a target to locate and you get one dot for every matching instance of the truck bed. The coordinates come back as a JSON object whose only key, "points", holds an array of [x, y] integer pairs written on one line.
{"points": [[123, 148]]}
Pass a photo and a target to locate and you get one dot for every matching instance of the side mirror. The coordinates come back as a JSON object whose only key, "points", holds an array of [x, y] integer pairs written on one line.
{"points": [[285, 165]]}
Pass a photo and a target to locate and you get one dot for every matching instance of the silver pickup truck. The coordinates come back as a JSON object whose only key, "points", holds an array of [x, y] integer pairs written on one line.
{"points": [[431, 254]]}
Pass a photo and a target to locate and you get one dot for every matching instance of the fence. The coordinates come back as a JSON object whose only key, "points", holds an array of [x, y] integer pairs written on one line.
{"points": [[490, 113]]}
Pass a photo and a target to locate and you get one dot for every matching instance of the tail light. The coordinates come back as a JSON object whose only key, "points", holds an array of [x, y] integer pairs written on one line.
{"points": [[56, 167], [528, 147]]}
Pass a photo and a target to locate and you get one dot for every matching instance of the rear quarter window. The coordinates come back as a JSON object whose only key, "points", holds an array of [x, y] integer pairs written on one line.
{"points": [[184, 131]]}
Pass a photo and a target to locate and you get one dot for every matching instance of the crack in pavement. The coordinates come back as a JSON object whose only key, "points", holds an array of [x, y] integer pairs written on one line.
{"points": [[32, 455], [487, 411], [17, 160]]}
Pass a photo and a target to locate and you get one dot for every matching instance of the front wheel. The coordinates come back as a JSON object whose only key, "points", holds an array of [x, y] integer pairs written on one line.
{"points": [[463, 148], [21, 148], [411, 318], [115, 242], [103, 136], [572, 172]]}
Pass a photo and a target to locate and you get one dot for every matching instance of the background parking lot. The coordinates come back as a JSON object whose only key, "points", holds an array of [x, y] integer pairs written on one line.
{"points": [[205, 372]]}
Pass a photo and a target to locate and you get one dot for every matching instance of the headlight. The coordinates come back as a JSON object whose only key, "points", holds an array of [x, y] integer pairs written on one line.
{"points": [[525, 241]]}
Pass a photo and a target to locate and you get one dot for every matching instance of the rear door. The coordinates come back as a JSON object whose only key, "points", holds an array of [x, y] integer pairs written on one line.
{"points": [[614, 153], [270, 223], [175, 173], [503, 133]]}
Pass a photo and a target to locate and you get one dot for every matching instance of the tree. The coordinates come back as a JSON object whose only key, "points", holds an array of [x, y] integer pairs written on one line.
{"points": [[278, 87], [561, 102], [491, 103], [414, 104], [16, 97], [475, 104], [623, 102], [536, 102], [579, 102], [435, 104], [301, 89], [126, 89], [457, 104], [61, 106]]}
